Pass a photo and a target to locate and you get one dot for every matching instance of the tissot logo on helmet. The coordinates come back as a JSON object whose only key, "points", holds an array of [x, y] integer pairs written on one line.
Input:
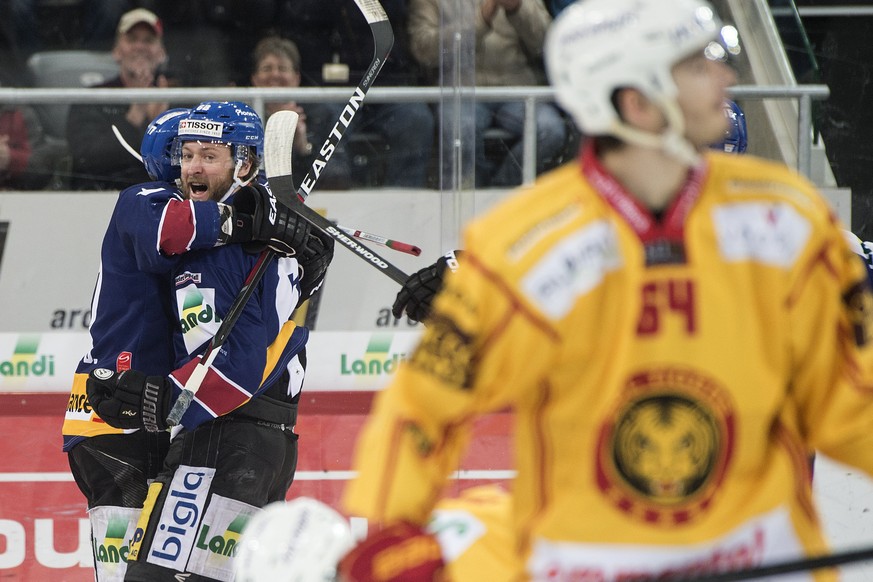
{"points": [[198, 127]]}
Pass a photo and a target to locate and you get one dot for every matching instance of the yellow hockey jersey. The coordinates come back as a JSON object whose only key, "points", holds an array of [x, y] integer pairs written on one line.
{"points": [[670, 377]]}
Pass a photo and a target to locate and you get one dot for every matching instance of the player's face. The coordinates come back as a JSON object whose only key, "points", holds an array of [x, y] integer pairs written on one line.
{"points": [[207, 170], [703, 85], [276, 71]]}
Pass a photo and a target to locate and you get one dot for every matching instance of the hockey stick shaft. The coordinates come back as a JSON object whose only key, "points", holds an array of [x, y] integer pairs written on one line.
{"points": [[124, 143], [381, 240], [383, 40], [787, 567]]}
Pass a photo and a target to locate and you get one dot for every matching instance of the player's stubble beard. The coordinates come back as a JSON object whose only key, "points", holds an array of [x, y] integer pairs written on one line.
{"points": [[215, 192]]}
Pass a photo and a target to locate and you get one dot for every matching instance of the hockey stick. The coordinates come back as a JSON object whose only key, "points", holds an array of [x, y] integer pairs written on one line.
{"points": [[277, 155], [787, 567], [124, 143], [381, 240], [383, 40]]}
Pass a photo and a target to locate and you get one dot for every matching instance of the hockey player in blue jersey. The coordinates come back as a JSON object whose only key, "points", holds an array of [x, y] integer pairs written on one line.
{"points": [[132, 328]]}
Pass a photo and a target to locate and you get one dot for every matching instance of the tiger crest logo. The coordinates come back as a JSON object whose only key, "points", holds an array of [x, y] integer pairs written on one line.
{"points": [[664, 450]]}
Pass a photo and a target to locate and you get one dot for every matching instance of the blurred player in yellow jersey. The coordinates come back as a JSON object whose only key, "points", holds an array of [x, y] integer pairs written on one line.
{"points": [[675, 329]]}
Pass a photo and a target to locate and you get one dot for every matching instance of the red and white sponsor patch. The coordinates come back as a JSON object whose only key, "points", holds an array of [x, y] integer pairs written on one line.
{"points": [[123, 361]]}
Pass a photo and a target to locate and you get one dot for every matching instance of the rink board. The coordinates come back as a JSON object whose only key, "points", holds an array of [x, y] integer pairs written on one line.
{"points": [[44, 528], [43, 524]]}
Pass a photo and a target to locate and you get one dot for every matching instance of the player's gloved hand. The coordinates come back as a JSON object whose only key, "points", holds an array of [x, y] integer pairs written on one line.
{"points": [[402, 552], [314, 259], [416, 295], [258, 216], [130, 399]]}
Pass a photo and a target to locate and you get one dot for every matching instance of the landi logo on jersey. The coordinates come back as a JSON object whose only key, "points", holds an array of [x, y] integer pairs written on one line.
{"points": [[197, 316], [113, 549], [201, 127], [24, 361], [218, 537], [376, 361], [224, 543]]}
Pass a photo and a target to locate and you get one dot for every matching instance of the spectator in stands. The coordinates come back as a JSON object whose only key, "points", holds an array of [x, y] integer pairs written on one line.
{"points": [[230, 28], [509, 48], [276, 63], [29, 159], [14, 146], [336, 48], [99, 161]]}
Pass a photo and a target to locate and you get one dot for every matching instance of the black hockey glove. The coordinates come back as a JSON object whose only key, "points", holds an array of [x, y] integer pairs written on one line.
{"points": [[416, 295], [130, 399], [259, 217], [314, 259]]}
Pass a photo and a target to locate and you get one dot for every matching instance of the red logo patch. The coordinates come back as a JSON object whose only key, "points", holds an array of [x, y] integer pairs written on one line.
{"points": [[123, 361]]}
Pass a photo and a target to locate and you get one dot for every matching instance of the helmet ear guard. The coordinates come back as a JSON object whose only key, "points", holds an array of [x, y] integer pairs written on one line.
{"points": [[596, 47]]}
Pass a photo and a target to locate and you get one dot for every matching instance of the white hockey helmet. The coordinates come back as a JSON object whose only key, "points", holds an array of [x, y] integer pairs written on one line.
{"points": [[597, 46], [298, 541]]}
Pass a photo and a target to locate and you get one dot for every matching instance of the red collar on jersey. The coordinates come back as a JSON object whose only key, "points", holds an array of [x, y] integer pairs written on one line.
{"points": [[640, 218]]}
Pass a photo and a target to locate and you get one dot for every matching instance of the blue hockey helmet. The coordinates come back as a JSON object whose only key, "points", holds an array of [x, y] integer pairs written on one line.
{"points": [[157, 144], [736, 137], [231, 122]]}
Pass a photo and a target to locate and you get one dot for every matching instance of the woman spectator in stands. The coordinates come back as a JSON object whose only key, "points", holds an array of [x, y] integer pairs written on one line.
{"points": [[276, 63]]}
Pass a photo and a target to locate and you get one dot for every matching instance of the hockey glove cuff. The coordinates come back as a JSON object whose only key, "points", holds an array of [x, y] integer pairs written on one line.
{"points": [[234, 226], [417, 294], [280, 228], [402, 552], [130, 399], [314, 258]]}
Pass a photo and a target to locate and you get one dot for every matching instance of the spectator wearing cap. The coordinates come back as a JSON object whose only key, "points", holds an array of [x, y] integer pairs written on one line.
{"points": [[99, 160]]}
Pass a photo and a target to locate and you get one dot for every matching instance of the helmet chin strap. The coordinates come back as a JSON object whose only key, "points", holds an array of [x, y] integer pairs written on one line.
{"points": [[671, 141], [237, 181]]}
